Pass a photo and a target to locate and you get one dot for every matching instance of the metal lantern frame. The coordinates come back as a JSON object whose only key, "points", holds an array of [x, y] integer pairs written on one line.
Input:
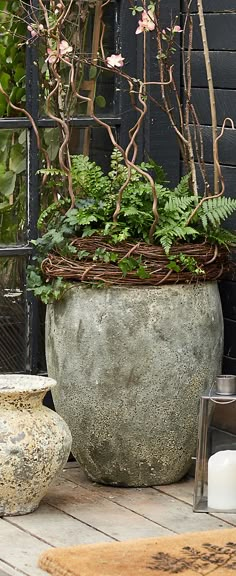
{"points": [[207, 404]]}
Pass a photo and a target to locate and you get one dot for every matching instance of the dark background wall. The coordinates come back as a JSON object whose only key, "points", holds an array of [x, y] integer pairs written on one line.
{"points": [[221, 28], [220, 16]]}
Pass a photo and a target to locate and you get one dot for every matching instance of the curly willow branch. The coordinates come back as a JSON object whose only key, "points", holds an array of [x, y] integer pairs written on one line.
{"points": [[30, 118], [66, 134], [219, 171]]}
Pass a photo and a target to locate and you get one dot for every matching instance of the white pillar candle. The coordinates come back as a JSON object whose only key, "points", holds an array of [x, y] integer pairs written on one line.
{"points": [[222, 480]]}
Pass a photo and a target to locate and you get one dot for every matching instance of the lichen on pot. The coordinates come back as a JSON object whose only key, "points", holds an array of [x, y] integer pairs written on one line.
{"points": [[34, 443], [131, 364]]}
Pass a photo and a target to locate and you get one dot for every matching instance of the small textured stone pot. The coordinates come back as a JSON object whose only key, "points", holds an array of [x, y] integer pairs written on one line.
{"points": [[35, 443], [131, 364]]}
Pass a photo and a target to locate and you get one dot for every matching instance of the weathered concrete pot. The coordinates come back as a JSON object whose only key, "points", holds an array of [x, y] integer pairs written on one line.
{"points": [[34, 443], [131, 364]]}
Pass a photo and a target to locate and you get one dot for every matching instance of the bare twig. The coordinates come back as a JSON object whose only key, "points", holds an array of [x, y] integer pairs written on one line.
{"points": [[211, 95]]}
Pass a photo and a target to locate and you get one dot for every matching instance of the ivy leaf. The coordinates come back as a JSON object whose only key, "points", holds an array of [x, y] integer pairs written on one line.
{"points": [[58, 237], [100, 101], [82, 254], [19, 74], [17, 162], [22, 137], [127, 265], [142, 272], [4, 79], [92, 72], [7, 183], [173, 266], [88, 231]]}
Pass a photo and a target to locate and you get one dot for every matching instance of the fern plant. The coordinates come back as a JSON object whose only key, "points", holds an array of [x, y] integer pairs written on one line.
{"points": [[95, 203]]}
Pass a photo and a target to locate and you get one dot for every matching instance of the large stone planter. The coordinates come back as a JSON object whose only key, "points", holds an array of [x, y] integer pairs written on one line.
{"points": [[34, 443], [131, 364]]}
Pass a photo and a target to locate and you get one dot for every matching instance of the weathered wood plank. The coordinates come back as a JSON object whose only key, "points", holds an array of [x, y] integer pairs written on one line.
{"points": [[7, 573], [227, 146], [19, 549], [57, 528], [225, 104], [90, 506], [213, 6], [7, 570], [151, 503], [169, 512], [220, 32], [223, 69], [184, 491]]}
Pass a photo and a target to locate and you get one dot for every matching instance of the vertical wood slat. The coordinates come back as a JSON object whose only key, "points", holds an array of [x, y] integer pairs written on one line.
{"points": [[160, 139], [91, 84]]}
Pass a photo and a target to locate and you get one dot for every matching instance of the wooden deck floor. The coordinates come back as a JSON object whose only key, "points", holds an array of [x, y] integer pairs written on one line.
{"points": [[76, 511]]}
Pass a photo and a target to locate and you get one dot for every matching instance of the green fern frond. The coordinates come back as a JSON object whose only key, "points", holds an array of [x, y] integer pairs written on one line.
{"points": [[52, 209], [51, 172], [176, 204], [166, 242], [175, 233], [216, 210], [203, 219], [88, 177], [222, 237], [183, 188]]}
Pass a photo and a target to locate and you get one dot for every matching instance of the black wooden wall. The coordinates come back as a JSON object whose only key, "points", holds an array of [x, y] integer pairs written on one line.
{"points": [[220, 16]]}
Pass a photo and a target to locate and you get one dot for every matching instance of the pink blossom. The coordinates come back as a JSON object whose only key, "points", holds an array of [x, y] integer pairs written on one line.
{"points": [[32, 31], [64, 48], [35, 30], [147, 23], [115, 60], [175, 29], [53, 55]]}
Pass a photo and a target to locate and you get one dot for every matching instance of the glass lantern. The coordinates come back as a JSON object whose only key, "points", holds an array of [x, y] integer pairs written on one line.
{"points": [[215, 473]]}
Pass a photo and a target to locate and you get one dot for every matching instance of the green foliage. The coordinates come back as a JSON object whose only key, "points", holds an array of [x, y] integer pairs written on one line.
{"points": [[12, 60], [182, 261], [216, 210], [47, 292], [96, 196], [12, 185]]}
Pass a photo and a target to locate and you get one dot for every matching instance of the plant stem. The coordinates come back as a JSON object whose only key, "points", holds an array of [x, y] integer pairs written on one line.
{"points": [[211, 94]]}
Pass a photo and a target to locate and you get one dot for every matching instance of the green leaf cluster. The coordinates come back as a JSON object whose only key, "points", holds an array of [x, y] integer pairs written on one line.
{"points": [[96, 196], [12, 185], [12, 59]]}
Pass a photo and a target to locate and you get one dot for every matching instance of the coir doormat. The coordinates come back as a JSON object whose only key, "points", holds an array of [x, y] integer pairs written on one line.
{"points": [[191, 554]]}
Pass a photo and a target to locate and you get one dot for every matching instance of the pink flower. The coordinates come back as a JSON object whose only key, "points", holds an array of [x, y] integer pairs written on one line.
{"points": [[147, 23], [64, 48], [32, 31], [35, 30], [175, 29], [115, 60], [53, 55]]}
